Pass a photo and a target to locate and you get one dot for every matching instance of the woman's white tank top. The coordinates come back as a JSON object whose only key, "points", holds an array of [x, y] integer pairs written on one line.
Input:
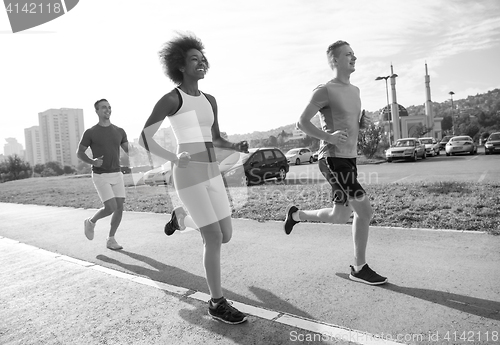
{"points": [[193, 121]]}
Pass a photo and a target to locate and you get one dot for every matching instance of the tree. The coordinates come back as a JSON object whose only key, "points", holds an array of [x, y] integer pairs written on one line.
{"points": [[68, 170], [3, 171], [55, 166], [39, 168], [48, 172], [273, 141], [83, 168], [471, 130], [369, 139], [446, 123], [421, 130], [17, 168]]}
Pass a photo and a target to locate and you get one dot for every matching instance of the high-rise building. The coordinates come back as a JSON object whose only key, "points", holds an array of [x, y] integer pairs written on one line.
{"points": [[13, 148], [34, 146], [61, 130]]}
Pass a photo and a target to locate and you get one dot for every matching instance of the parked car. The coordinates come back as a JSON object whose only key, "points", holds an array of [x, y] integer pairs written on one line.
{"points": [[406, 148], [444, 141], [256, 166], [431, 146], [299, 155], [135, 170], [461, 144], [492, 145], [315, 156], [160, 175]]}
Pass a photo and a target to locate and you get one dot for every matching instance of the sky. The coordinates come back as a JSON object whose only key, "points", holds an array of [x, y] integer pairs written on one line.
{"points": [[266, 56]]}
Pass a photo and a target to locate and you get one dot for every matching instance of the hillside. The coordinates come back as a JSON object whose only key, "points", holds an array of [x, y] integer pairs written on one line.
{"points": [[484, 107], [266, 134]]}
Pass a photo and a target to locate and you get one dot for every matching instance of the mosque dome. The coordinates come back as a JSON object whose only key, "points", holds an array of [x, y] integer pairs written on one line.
{"points": [[384, 113]]}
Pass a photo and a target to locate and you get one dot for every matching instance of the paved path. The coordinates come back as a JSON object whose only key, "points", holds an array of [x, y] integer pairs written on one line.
{"points": [[154, 291]]}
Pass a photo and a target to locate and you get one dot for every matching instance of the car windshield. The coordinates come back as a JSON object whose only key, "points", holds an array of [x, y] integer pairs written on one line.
{"points": [[495, 136], [400, 143], [460, 139], [293, 152], [426, 141]]}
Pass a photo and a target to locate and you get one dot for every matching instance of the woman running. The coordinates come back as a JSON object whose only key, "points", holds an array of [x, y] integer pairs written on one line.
{"points": [[197, 179]]}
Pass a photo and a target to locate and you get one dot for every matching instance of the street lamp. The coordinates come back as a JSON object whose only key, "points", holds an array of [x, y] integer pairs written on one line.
{"points": [[452, 121], [389, 115]]}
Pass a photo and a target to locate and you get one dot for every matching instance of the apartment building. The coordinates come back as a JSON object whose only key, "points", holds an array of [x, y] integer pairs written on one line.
{"points": [[13, 148], [34, 145], [60, 132]]}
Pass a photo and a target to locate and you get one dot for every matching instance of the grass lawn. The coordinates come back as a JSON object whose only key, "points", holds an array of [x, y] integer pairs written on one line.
{"points": [[443, 205]]}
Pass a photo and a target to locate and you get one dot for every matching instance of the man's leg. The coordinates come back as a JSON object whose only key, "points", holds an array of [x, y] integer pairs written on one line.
{"points": [[360, 227], [117, 216], [89, 224], [108, 209], [338, 214], [361, 272]]}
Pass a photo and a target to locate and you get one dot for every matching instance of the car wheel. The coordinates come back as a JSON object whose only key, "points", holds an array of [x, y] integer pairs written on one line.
{"points": [[389, 160], [486, 152], [447, 154], [311, 160], [282, 174], [297, 161]]}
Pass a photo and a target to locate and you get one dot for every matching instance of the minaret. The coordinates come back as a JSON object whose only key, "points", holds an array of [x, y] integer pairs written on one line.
{"points": [[395, 109], [428, 103]]}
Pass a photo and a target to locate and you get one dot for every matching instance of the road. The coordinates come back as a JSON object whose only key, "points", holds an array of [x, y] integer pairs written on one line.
{"points": [[443, 285], [477, 168]]}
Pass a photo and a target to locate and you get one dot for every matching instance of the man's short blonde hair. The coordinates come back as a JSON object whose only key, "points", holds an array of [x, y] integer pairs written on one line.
{"points": [[333, 52]]}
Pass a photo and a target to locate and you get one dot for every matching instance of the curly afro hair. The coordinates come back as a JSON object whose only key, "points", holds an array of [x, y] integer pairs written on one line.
{"points": [[173, 55]]}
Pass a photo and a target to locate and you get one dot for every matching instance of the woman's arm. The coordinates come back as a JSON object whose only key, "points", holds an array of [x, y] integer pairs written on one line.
{"points": [[167, 105], [219, 141]]}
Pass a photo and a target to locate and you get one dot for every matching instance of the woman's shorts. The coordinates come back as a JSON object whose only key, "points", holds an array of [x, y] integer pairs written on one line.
{"points": [[201, 189]]}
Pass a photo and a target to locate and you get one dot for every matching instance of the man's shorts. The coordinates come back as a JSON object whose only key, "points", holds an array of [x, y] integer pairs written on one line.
{"points": [[109, 185], [342, 174]]}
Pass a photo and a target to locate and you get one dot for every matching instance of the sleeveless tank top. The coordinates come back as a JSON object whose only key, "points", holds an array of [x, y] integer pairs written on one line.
{"points": [[193, 121]]}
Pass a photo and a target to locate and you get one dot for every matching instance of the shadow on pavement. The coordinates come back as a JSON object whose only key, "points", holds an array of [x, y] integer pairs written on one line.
{"points": [[178, 277], [246, 333], [160, 272], [471, 305]]}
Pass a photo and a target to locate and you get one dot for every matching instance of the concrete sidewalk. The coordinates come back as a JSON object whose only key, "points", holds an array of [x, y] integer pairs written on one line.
{"points": [[441, 283]]}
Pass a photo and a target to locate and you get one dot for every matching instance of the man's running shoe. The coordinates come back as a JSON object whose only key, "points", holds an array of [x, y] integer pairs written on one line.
{"points": [[289, 222], [173, 223], [112, 244], [225, 312], [367, 275], [89, 229]]}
